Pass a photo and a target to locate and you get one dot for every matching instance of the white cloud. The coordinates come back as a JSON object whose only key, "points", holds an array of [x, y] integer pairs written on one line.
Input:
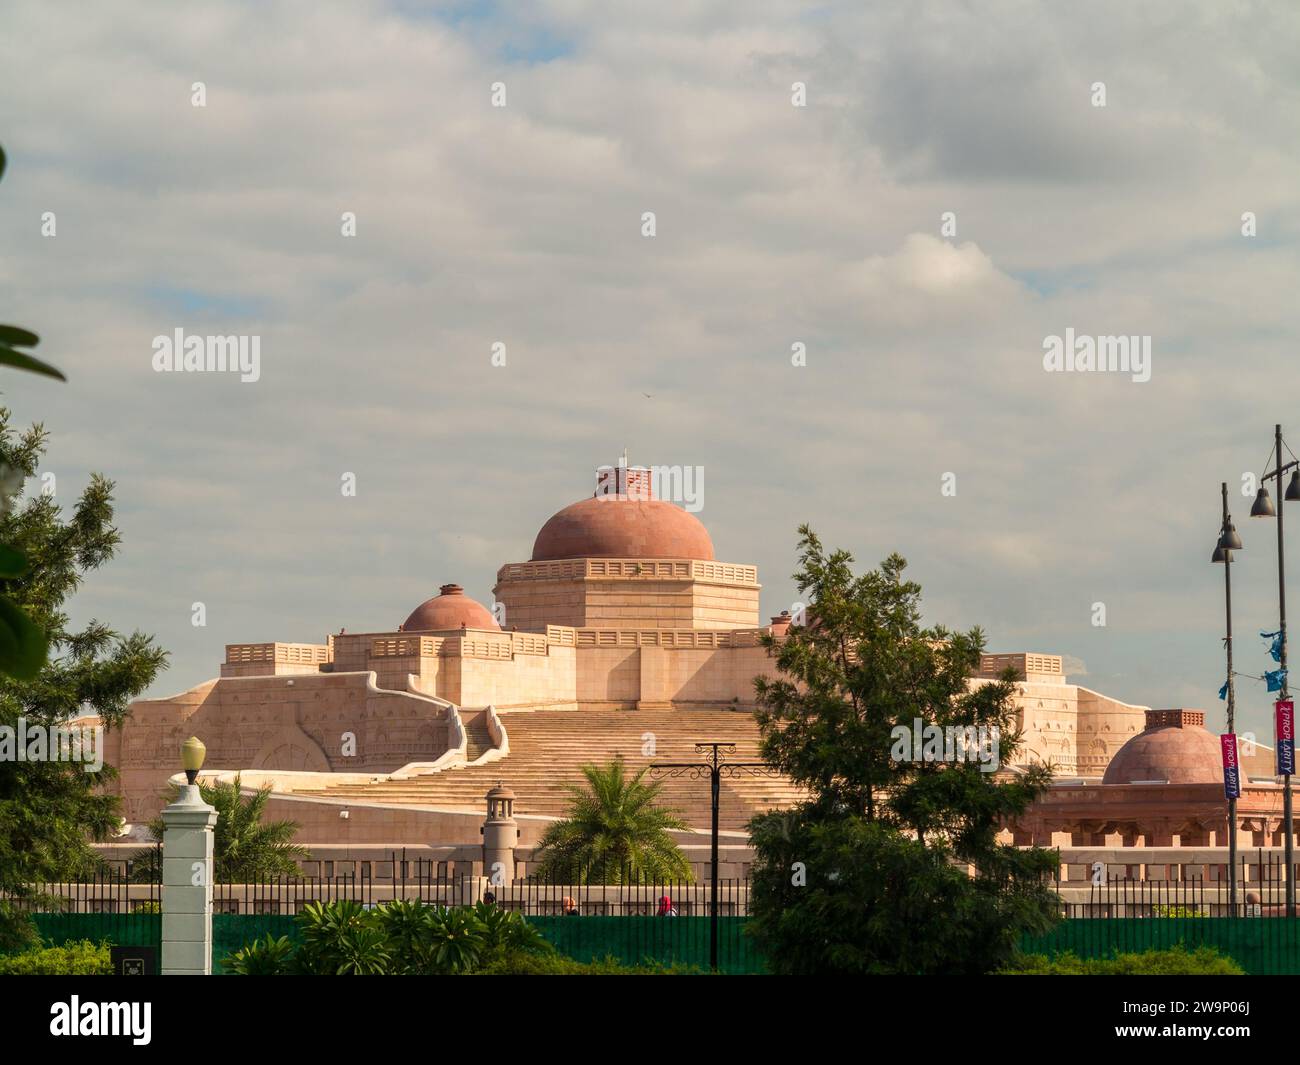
{"points": [[776, 224]]}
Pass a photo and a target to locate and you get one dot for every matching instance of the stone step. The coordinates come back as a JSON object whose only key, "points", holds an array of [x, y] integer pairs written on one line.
{"points": [[548, 749]]}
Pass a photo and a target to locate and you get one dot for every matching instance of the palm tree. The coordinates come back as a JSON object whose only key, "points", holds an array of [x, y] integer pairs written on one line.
{"points": [[244, 848], [614, 831]]}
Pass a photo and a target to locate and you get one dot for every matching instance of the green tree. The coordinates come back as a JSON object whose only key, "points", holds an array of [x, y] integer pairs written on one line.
{"points": [[244, 847], [615, 829], [50, 810], [23, 646], [892, 865]]}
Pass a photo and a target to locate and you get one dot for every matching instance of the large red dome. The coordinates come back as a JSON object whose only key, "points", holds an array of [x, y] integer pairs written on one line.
{"points": [[450, 609], [608, 526]]}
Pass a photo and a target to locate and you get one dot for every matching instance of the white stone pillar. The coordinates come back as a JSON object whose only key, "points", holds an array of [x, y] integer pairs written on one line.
{"points": [[187, 885]]}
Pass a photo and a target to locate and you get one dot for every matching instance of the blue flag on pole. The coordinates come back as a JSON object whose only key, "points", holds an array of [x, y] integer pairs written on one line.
{"points": [[1275, 679], [1275, 648], [1223, 692]]}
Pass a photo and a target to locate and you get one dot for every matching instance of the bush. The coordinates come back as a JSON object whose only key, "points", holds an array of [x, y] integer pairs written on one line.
{"points": [[517, 964], [1176, 961], [82, 958], [400, 938], [263, 957], [342, 938]]}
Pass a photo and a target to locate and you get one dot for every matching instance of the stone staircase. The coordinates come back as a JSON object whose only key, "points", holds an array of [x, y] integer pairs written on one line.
{"points": [[478, 740], [548, 747]]}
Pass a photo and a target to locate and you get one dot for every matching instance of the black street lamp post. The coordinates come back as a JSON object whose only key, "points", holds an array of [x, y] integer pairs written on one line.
{"points": [[716, 770], [1229, 542], [1263, 508]]}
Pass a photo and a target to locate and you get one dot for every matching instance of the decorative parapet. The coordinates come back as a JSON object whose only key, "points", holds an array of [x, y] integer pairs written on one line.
{"points": [[709, 639], [650, 569], [529, 643], [561, 636], [502, 646], [292, 653], [1023, 663], [406, 646], [473, 643]]}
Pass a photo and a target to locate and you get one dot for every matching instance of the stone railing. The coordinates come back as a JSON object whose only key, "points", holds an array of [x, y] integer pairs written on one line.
{"points": [[294, 653], [484, 643], [474, 643], [630, 568], [672, 638], [561, 635], [1023, 663], [405, 647]]}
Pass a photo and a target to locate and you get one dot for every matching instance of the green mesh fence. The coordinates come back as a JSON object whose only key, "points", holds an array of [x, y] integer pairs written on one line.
{"points": [[122, 929], [1260, 945], [669, 940], [230, 931], [631, 940]]}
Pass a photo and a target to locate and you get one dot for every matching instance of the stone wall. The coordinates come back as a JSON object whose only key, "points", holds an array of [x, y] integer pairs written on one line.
{"points": [[276, 722]]}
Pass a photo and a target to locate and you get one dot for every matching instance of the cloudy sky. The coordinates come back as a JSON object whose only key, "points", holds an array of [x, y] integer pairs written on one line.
{"points": [[775, 225]]}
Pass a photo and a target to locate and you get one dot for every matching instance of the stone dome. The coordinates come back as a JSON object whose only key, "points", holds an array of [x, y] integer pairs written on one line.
{"points": [[1174, 747], [618, 527], [450, 609]]}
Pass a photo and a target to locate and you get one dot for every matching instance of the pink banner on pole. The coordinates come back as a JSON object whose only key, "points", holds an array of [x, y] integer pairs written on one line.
{"points": [[1231, 766]]}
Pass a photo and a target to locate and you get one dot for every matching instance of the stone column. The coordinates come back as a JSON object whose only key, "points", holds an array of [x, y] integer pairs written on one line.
{"points": [[500, 835], [187, 885]]}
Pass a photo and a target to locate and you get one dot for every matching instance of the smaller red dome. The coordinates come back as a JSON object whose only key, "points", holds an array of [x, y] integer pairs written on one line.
{"points": [[451, 608], [1175, 747]]}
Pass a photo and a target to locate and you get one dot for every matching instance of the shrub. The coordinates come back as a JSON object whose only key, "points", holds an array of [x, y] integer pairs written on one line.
{"points": [[1176, 961], [518, 964], [263, 957], [341, 938], [507, 932], [400, 938], [82, 958]]}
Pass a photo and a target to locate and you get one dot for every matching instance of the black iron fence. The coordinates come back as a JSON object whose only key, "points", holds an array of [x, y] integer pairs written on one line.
{"points": [[600, 893], [119, 902], [115, 886], [1184, 892]]}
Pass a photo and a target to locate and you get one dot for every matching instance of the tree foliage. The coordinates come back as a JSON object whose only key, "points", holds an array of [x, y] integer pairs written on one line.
{"points": [[891, 865], [615, 830], [23, 645], [50, 810], [244, 847]]}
